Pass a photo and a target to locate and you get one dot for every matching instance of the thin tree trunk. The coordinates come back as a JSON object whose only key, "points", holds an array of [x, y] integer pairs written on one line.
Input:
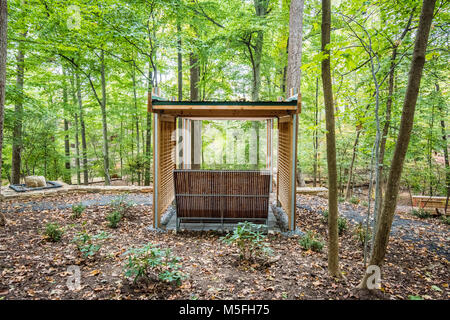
{"points": [[316, 134], [3, 52], [333, 238], [83, 131], [67, 172], [350, 170], [148, 131], [444, 147], [415, 74], [104, 122], [18, 117], [77, 142], [77, 150], [138, 147], [196, 138]]}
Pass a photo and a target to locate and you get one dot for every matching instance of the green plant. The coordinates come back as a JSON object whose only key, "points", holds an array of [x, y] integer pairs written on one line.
{"points": [[151, 260], [114, 219], [342, 225], [354, 200], [310, 242], [325, 216], [360, 234], [88, 245], [121, 205], [77, 210], [445, 219], [250, 240], [53, 232], [420, 213]]}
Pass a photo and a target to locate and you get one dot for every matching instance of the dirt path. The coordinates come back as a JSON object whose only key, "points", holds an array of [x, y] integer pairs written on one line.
{"points": [[427, 233]]}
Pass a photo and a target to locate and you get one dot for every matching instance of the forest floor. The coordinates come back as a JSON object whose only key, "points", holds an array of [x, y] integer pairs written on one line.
{"points": [[33, 268]]}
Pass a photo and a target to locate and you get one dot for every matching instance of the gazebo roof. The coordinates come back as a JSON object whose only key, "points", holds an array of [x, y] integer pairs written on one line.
{"points": [[226, 109]]}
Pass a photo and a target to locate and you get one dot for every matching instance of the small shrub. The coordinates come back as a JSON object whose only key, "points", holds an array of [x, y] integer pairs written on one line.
{"points": [[250, 240], [87, 244], [342, 225], [77, 210], [325, 216], [341, 199], [360, 234], [114, 219], [121, 205], [445, 219], [354, 200], [421, 213], [365, 203], [53, 232], [150, 260], [309, 242], [342, 222]]}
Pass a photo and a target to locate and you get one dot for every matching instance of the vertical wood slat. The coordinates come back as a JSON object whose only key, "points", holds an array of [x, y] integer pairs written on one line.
{"points": [[164, 142], [286, 167]]}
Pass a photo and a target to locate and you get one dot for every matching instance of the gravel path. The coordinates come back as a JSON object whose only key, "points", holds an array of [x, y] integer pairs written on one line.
{"points": [[421, 232], [97, 200]]}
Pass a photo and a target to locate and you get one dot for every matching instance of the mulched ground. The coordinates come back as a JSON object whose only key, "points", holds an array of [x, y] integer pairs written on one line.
{"points": [[33, 268]]}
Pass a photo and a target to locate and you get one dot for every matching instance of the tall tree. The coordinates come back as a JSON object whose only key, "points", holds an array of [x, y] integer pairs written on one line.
{"points": [[83, 129], [3, 52], [333, 237], [18, 117], [293, 75], [406, 123], [67, 176]]}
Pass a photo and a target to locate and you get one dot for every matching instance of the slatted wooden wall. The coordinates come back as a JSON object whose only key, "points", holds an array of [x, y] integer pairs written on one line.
{"points": [[286, 167], [164, 164], [227, 194]]}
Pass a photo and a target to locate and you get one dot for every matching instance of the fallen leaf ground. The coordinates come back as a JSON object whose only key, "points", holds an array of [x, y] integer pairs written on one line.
{"points": [[33, 268]]}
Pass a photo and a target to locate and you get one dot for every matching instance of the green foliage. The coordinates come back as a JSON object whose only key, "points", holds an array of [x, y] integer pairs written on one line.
{"points": [[121, 205], [420, 213], [151, 260], [53, 232], [342, 225], [114, 218], [310, 242], [361, 234], [354, 200], [88, 245], [250, 240], [445, 219], [77, 210], [411, 297]]}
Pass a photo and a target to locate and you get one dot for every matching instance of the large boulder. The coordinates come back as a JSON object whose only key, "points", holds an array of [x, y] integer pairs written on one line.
{"points": [[35, 181]]}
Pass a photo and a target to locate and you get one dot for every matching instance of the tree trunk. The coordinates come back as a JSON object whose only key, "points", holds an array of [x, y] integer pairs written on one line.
{"points": [[148, 130], [350, 171], [3, 52], [387, 214], [104, 123], [196, 130], [293, 74], [77, 142], [18, 117], [295, 46], [333, 238], [316, 134], [83, 131], [444, 147], [67, 174], [179, 63]]}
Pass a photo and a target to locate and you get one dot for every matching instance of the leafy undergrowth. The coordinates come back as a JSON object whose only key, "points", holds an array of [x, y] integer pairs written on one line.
{"points": [[33, 268]]}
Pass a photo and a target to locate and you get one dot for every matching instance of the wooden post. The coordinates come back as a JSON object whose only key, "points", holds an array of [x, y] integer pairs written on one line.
{"points": [[156, 162]]}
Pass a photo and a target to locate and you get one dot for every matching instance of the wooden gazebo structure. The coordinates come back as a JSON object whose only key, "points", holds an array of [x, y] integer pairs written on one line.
{"points": [[165, 114]]}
